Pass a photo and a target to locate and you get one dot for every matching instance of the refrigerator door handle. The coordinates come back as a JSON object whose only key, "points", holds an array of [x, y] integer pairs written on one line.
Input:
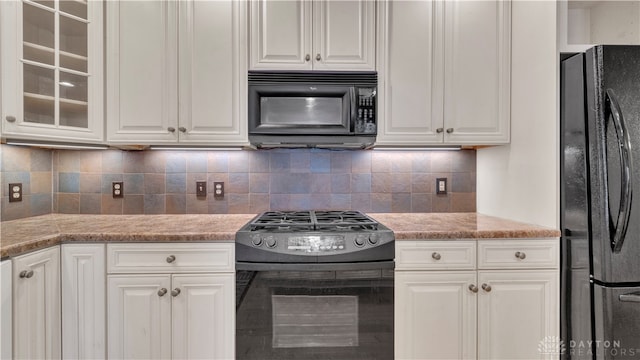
{"points": [[624, 150], [631, 297]]}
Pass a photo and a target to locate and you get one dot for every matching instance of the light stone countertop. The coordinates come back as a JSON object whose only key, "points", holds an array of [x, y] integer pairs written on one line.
{"points": [[25, 235]]}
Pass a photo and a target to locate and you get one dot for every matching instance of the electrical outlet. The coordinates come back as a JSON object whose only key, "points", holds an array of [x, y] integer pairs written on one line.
{"points": [[117, 189], [218, 189], [441, 186], [15, 192], [201, 188]]}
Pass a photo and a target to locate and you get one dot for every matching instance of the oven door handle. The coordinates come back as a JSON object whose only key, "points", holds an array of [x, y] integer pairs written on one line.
{"points": [[315, 266]]}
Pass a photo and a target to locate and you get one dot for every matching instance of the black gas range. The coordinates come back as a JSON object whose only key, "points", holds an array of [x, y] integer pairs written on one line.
{"points": [[314, 237]]}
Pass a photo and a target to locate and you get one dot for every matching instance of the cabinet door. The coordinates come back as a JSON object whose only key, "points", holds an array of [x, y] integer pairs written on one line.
{"points": [[435, 316], [139, 317], [142, 63], [213, 73], [6, 326], [83, 301], [477, 71], [36, 305], [516, 313], [344, 35], [203, 316], [52, 66], [410, 73], [280, 34]]}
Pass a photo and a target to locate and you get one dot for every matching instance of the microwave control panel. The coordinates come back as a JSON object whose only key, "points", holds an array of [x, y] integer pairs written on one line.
{"points": [[366, 107]]}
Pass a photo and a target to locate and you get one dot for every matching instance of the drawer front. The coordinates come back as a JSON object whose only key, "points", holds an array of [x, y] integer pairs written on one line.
{"points": [[170, 257], [435, 255], [518, 254]]}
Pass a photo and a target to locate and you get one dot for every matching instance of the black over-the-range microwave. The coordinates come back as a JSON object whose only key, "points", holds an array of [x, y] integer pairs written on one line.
{"points": [[312, 109]]}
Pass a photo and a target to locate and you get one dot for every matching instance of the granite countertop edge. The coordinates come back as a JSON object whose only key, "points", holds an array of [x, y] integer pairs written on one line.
{"points": [[53, 229]]}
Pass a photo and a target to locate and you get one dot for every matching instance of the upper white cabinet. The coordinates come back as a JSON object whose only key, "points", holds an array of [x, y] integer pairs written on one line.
{"points": [[177, 72], [583, 24], [312, 35], [444, 72], [36, 305], [52, 70]]}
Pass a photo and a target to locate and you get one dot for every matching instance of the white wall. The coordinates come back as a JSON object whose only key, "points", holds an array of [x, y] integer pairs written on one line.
{"points": [[520, 181]]}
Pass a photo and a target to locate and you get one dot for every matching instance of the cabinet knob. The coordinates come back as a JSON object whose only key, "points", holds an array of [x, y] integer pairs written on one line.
{"points": [[486, 287], [307, 58], [449, 130], [11, 118], [521, 255], [473, 288], [318, 57], [436, 256], [439, 130], [162, 292], [171, 129], [182, 129], [175, 292], [171, 258], [26, 274]]}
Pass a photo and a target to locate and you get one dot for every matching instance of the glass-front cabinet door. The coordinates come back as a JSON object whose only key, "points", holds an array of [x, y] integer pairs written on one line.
{"points": [[52, 66]]}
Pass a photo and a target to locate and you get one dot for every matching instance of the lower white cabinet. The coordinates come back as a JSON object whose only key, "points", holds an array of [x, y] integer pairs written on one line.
{"points": [[83, 301], [500, 311], [36, 305], [179, 313], [5, 310]]}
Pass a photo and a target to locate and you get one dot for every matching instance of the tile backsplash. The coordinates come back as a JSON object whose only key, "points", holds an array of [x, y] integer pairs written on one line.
{"points": [[164, 182]]}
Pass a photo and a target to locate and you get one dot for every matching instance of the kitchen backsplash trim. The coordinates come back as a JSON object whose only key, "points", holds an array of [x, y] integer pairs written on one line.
{"points": [[164, 182]]}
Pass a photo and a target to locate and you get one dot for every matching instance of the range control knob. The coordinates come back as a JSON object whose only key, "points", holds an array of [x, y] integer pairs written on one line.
{"points": [[256, 241], [270, 241], [373, 239], [360, 240]]}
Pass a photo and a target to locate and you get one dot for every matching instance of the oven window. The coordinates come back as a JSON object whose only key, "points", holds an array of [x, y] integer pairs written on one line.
{"points": [[314, 314], [305, 111]]}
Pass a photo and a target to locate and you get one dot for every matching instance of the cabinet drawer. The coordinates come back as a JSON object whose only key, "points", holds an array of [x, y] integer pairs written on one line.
{"points": [[517, 254], [170, 257], [435, 255]]}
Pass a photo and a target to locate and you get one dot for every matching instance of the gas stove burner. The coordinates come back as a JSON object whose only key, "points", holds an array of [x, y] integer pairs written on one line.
{"points": [[313, 220]]}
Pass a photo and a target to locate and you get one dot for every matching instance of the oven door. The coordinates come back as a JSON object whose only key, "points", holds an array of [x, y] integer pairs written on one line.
{"points": [[300, 109], [309, 313]]}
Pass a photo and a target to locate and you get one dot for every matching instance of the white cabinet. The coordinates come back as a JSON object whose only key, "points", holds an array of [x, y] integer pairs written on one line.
{"points": [[444, 72], [52, 70], [500, 309], [83, 301], [312, 35], [177, 72], [171, 301], [6, 324], [36, 305], [583, 24]]}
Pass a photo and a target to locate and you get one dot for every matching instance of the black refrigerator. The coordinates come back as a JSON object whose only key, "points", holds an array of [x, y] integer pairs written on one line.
{"points": [[600, 203]]}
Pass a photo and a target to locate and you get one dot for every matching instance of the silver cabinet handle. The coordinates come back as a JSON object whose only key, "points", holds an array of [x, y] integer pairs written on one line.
{"points": [[171, 258], [486, 287], [439, 130], [449, 130], [26, 274], [630, 297], [182, 129], [318, 57], [162, 292], [11, 118], [171, 129], [473, 288], [436, 256], [521, 255], [307, 58], [175, 292]]}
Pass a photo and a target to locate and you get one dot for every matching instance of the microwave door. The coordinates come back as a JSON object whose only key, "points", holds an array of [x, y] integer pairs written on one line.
{"points": [[300, 110]]}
